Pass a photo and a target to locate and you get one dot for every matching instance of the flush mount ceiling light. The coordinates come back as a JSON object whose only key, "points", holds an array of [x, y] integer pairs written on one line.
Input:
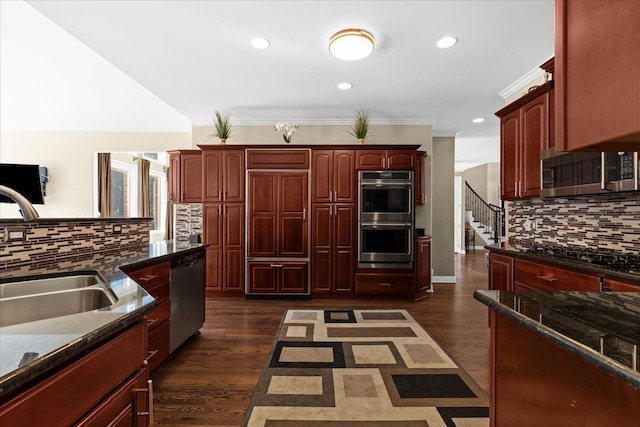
{"points": [[345, 86], [351, 44], [446, 42], [260, 43], [478, 120]]}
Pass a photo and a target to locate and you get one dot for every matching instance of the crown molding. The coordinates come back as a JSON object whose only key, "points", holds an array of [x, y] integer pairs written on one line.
{"points": [[322, 122], [521, 82], [444, 134]]}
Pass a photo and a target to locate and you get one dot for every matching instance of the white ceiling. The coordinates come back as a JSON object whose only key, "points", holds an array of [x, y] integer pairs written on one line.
{"points": [[196, 56]]}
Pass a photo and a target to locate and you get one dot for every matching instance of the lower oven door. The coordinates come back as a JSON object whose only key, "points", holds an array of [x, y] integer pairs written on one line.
{"points": [[385, 243]]}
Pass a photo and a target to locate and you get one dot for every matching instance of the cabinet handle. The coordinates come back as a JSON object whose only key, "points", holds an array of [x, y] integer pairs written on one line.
{"points": [[304, 214], [276, 265], [224, 210], [335, 195], [148, 277], [151, 322], [546, 278], [219, 210], [149, 412], [150, 354], [150, 387], [220, 195], [384, 163], [385, 284]]}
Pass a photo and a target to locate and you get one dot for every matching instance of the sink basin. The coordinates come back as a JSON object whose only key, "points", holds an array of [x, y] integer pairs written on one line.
{"points": [[45, 298]]}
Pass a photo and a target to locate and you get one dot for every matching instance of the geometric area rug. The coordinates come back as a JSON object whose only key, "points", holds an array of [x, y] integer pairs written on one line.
{"points": [[362, 368]]}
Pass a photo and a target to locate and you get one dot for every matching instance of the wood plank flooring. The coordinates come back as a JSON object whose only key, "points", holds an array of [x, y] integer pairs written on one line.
{"points": [[211, 380]]}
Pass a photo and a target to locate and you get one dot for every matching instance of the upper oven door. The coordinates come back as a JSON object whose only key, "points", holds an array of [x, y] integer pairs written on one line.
{"points": [[386, 199]]}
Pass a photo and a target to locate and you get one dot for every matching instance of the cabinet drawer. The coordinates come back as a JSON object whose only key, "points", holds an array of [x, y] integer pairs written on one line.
{"points": [[618, 286], [550, 278], [160, 291], [277, 159], [385, 284], [69, 393], [158, 345], [151, 275], [159, 315]]}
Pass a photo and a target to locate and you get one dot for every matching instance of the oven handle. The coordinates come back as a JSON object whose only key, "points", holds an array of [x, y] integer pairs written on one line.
{"points": [[395, 185], [385, 225]]}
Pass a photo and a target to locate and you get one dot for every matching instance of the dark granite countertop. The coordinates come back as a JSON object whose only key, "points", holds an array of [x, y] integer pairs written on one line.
{"points": [[603, 328], [59, 339], [518, 252]]}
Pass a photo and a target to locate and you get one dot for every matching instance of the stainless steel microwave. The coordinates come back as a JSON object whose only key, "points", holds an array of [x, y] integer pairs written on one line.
{"points": [[568, 174]]}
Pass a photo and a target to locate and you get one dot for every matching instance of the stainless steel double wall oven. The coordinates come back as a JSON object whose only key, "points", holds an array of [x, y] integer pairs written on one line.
{"points": [[385, 219]]}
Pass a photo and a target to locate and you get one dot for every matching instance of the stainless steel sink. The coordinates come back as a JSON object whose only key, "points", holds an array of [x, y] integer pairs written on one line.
{"points": [[45, 298]]}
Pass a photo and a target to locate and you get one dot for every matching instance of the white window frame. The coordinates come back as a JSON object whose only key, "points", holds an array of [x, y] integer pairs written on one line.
{"points": [[162, 200], [133, 185]]}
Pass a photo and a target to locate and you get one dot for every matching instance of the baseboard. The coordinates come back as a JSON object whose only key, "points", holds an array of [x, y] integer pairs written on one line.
{"points": [[443, 279]]}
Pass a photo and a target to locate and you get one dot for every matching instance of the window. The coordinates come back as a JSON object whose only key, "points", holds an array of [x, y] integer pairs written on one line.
{"points": [[157, 200], [124, 193]]}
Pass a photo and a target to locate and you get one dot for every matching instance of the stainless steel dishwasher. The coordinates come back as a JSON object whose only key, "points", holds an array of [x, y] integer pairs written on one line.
{"points": [[187, 297]]}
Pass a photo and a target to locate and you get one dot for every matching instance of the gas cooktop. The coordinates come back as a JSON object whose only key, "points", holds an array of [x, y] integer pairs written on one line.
{"points": [[619, 261]]}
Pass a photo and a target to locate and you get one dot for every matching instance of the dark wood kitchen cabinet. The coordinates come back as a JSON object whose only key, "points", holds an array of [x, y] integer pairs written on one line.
{"points": [[223, 176], [333, 176], [155, 279], [500, 272], [273, 277], [333, 257], [423, 267], [385, 159], [106, 386], [420, 190], [524, 132], [277, 214], [610, 285], [597, 66], [185, 184], [531, 275], [224, 235]]}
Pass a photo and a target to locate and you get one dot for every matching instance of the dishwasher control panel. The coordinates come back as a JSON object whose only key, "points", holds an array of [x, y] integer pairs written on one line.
{"points": [[184, 260]]}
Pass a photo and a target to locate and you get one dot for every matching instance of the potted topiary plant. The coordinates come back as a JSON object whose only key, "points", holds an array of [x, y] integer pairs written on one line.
{"points": [[361, 124], [222, 126]]}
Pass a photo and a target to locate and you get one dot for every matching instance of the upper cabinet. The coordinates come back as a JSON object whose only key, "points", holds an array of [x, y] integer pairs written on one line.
{"points": [[385, 159], [223, 177], [420, 193], [333, 176], [597, 75], [185, 185], [525, 130]]}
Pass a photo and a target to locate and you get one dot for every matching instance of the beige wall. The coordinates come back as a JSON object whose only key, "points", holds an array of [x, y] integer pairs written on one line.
{"points": [[69, 157], [443, 207], [485, 180]]}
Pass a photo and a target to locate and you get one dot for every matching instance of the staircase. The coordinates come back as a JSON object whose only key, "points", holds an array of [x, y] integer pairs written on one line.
{"points": [[485, 218]]}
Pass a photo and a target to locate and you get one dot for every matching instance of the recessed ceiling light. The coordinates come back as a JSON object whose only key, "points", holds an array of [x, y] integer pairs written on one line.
{"points": [[260, 43], [345, 86], [351, 44], [446, 42], [478, 120]]}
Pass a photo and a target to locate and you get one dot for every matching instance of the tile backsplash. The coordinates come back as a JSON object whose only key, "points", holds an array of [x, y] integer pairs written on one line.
{"points": [[49, 242], [603, 221], [188, 220]]}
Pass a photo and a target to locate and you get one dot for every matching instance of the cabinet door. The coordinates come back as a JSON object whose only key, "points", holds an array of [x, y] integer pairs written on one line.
{"points": [[618, 286], [191, 175], [423, 269], [262, 277], [344, 260], [400, 159], [263, 214], [233, 176], [322, 176], [233, 252], [292, 227], [419, 178], [322, 247], [294, 278], [535, 138], [212, 176], [174, 181], [500, 272], [606, 116], [370, 159], [344, 176], [509, 143], [212, 220]]}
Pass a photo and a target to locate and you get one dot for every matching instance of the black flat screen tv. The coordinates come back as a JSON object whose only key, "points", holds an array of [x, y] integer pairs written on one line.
{"points": [[25, 179]]}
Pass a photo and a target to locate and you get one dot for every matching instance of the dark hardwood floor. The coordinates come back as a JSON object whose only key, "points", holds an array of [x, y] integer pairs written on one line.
{"points": [[211, 380]]}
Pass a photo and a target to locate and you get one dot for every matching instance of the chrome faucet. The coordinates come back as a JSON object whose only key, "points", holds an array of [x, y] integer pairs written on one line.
{"points": [[26, 208]]}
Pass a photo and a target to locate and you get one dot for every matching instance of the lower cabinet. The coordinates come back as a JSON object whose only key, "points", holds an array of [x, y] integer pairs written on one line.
{"points": [[423, 267], [531, 275], [390, 284], [609, 285], [277, 277], [106, 387], [500, 272]]}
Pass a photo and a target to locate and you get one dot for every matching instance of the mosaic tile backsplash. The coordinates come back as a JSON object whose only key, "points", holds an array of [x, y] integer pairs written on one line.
{"points": [[188, 220], [599, 222], [48, 243]]}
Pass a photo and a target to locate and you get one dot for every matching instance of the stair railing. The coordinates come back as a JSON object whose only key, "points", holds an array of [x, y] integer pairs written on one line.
{"points": [[485, 213]]}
